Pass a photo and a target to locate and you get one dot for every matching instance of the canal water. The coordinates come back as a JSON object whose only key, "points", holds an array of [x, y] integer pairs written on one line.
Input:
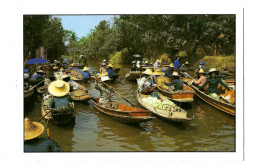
{"points": [[211, 130]]}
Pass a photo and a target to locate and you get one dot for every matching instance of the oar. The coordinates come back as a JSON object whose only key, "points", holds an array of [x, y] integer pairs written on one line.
{"points": [[35, 85], [45, 115], [116, 92]]}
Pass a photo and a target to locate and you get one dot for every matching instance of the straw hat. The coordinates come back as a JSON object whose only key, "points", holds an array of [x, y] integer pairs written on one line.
{"points": [[32, 129], [40, 71], [212, 70], [133, 62], [187, 63], [104, 60], [61, 69], [85, 69], [171, 65], [148, 72], [158, 73], [146, 61], [201, 71], [110, 65], [59, 88], [103, 64], [175, 73], [158, 60], [55, 67]]}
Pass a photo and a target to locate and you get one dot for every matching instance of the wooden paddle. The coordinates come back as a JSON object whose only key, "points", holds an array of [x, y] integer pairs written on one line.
{"points": [[35, 85], [45, 115], [116, 92]]}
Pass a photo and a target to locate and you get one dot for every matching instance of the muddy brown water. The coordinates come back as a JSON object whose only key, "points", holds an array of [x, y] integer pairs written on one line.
{"points": [[211, 130]]}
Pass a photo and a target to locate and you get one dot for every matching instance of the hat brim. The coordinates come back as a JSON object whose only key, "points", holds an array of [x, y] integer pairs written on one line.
{"points": [[28, 135], [85, 69], [59, 92], [158, 73]]}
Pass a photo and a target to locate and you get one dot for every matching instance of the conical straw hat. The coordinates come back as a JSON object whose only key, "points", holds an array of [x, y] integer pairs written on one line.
{"points": [[175, 73], [110, 65], [187, 62], [148, 72], [201, 71], [158, 73], [146, 61], [32, 129], [104, 60], [171, 65], [212, 70], [59, 88], [85, 69]]}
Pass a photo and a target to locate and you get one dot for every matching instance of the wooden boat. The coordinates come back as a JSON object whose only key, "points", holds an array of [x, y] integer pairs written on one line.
{"points": [[80, 95], [116, 70], [58, 118], [124, 113], [170, 114], [133, 75], [227, 105], [185, 96], [28, 94], [146, 91], [76, 65]]}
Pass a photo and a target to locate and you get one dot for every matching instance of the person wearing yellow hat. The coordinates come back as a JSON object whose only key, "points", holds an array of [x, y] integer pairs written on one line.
{"points": [[169, 70], [202, 78], [32, 142], [178, 85], [61, 99], [110, 71], [86, 73], [146, 81], [157, 64], [146, 63], [213, 82], [105, 61]]}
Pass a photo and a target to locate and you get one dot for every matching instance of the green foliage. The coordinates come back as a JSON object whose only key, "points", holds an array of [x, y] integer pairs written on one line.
{"points": [[165, 58], [120, 57], [218, 61], [182, 53]]}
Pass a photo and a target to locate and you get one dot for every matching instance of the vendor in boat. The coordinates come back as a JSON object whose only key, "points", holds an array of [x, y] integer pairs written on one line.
{"points": [[178, 85], [169, 70], [157, 64], [177, 63], [37, 77], [27, 85], [105, 62], [103, 68], [73, 85], [213, 82], [32, 142], [86, 73], [110, 71], [61, 99], [83, 58], [202, 79], [105, 92], [146, 63], [146, 81], [134, 68], [185, 66]]}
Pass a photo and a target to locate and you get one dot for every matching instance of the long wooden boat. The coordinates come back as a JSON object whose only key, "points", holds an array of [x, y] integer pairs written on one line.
{"points": [[28, 94], [133, 75], [173, 113], [76, 65], [184, 96], [227, 105], [124, 113], [58, 118], [80, 95]]}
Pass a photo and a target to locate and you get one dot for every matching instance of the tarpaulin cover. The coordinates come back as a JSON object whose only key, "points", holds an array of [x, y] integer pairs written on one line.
{"points": [[39, 61]]}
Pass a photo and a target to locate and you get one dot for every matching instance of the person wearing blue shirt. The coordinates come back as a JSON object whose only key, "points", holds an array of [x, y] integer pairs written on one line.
{"points": [[110, 71], [86, 73], [176, 63], [169, 70]]}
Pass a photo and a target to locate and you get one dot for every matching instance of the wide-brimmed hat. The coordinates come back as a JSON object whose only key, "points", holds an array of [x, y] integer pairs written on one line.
{"points": [[171, 65], [158, 60], [175, 74], [40, 71], [133, 62], [187, 63], [59, 88], [55, 67], [110, 65], [61, 69], [146, 61], [201, 71], [104, 60], [103, 64], [32, 129], [212, 70], [148, 72], [158, 73], [85, 69]]}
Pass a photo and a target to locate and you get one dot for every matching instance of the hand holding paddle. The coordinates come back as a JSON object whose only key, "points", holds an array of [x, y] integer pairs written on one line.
{"points": [[45, 115]]}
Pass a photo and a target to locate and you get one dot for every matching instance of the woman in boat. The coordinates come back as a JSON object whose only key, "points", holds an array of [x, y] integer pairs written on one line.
{"points": [[103, 68], [32, 142], [169, 70], [86, 73], [61, 99], [157, 64], [178, 85], [105, 92], [134, 68], [73, 85], [146, 81], [110, 71], [37, 77], [202, 79], [213, 82]]}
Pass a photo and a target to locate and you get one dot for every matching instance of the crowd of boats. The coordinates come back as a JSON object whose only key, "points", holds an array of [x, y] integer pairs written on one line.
{"points": [[162, 90]]}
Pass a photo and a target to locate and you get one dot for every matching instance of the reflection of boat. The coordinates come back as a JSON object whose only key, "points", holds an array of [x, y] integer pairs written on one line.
{"points": [[124, 113], [171, 114], [58, 118], [227, 104], [133, 75], [28, 94], [185, 96]]}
